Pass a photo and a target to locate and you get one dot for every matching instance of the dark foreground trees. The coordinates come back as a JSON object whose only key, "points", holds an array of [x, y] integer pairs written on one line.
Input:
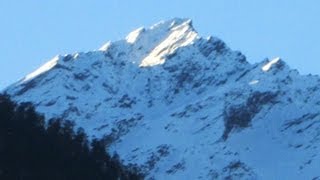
{"points": [[31, 149]]}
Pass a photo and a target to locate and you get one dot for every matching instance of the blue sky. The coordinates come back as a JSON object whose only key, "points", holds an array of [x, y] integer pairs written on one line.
{"points": [[34, 31]]}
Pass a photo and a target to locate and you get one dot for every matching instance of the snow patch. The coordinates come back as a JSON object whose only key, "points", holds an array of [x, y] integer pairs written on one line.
{"points": [[253, 82], [46, 67], [268, 66], [76, 55], [105, 46], [133, 36]]}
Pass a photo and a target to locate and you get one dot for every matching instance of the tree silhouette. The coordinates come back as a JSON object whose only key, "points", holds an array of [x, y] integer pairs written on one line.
{"points": [[30, 149]]}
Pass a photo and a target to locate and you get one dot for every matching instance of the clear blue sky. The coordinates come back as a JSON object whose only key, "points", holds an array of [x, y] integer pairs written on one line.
{"points": [[33, 31]]}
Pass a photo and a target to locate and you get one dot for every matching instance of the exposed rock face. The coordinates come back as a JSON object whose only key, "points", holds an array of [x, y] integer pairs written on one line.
{"points": [[240, 116], [180, 106]]}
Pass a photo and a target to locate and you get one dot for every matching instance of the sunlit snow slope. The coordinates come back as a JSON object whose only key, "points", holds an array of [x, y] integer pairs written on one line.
{"points": [[180, 106]]}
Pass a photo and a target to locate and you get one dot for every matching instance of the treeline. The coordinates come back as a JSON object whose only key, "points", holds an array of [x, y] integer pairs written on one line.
{"points": [[31, 149]]}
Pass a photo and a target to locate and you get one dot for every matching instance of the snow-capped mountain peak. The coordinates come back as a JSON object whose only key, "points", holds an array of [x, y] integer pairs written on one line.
{"points": [[180, 34], [152, 44], [180, 106]]}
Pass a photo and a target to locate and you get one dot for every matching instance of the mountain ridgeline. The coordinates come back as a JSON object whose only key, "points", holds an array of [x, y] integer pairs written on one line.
{"points": [[180, 106]]}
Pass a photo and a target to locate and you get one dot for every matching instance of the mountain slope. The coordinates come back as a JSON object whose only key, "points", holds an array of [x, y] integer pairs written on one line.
{"points": [[185, 107]]}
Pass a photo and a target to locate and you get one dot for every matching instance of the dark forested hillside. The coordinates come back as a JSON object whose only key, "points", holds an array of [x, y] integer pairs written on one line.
{"points": [[31, 149]]}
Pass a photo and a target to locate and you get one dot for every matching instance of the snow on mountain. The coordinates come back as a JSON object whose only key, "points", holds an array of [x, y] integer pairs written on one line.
{"points": [[268, 66], [185, 107]]}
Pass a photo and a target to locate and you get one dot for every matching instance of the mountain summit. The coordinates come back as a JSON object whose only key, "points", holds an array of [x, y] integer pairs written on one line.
{"points": [[151, 45], [180, 106]]}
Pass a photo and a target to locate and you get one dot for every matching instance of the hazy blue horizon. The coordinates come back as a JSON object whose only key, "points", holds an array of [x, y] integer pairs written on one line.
{"points": [[33, 32]]}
